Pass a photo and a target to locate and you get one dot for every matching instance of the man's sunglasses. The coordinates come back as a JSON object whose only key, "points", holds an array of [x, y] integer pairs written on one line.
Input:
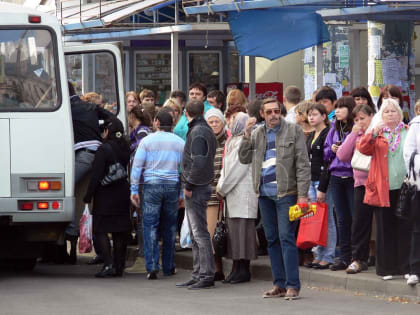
{"points": [[271, 111]]}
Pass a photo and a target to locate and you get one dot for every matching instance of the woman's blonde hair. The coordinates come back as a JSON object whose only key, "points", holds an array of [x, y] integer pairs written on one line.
{"points": [[417, 105], [391, 102], [133, 94], [172, 103], [302, 108], [92, 97]]}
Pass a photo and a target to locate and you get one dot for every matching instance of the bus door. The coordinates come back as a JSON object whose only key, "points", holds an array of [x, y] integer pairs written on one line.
{"points": [[95, 70]]}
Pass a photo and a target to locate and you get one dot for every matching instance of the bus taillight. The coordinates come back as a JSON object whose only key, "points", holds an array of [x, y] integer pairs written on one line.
{"points": [[26, 206], [43, 205], [43, 185]]}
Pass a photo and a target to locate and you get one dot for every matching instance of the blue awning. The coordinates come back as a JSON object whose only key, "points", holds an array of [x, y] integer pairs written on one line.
{"points": [[274, 33]]}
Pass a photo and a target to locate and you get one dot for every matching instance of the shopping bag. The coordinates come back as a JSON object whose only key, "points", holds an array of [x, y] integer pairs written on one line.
{"points": [[185, 239], [313, 230], [85, 239]]}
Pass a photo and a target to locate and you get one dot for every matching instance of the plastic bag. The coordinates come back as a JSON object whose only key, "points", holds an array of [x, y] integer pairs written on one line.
{"points": [[313, 229], [85, 240], [185, 239]]}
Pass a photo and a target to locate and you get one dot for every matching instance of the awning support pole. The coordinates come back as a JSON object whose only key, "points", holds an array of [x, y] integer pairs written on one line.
{"points": [[174, 61], [252, 90]]}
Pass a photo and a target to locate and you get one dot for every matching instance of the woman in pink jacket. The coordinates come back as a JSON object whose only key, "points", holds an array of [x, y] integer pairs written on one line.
{"points": [[363, 213]]}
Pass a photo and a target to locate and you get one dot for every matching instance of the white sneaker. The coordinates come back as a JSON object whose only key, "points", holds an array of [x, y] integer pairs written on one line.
{"points": [[413, 280], [387, 278]]}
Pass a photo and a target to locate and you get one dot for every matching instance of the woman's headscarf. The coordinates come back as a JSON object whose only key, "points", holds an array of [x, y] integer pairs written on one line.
{"points": [[215, 112], [239, 123]]}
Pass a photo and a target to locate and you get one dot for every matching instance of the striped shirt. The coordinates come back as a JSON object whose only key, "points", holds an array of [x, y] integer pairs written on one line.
{"points": [[158, 158], [218, 158], [268, 185]]}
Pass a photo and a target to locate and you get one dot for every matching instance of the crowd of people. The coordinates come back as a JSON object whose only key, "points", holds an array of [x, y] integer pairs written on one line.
{"points": [[207, 155]]}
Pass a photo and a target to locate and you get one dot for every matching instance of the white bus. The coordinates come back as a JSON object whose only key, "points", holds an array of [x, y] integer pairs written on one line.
{"points": [[37, 197]]}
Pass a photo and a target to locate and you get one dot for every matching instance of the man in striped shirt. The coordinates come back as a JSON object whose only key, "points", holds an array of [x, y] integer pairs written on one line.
{"points": [[158, 158]]}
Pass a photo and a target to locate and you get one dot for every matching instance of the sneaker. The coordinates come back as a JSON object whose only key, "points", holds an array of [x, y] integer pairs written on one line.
{"points": [[354, 267], [291, 294], [338, 265], [186, 283], [413, 280], [386, 278], [202, 284], [152, 275]]}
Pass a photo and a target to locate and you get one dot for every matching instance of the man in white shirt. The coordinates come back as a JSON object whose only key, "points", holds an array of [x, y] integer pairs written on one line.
{"points": [[291, 98]]}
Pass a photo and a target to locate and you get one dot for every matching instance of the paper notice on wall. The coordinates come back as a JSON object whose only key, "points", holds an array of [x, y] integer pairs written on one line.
{"points": [[338, 89], [330, 78], [371, 72], [403, 67], [374, 91], [308, 55], [375, 44], [306, 69], [343, 56], [309, 86], [391, 71], [379, 79]]}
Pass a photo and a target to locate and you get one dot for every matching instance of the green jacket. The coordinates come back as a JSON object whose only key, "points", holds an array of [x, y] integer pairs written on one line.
{"points": [[293, 170], [181, 127]]}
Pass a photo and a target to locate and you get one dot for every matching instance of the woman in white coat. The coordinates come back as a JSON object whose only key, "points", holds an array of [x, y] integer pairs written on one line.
{"points": [[412, 145], [235, 185]]}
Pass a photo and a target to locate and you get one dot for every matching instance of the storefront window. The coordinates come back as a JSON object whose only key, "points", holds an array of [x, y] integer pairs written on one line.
{"points": [[153, 72], [205, 67]]}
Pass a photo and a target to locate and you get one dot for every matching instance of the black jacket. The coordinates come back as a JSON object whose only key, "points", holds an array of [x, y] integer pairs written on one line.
{"points": [[113, 199], [319, 168], [199, 151], [86, 118]]}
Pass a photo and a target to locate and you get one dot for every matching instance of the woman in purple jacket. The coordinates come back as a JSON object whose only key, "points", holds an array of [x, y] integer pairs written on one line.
{"points": [[341, 180]]}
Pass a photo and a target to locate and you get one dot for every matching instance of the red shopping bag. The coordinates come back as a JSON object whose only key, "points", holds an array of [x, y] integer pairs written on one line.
{"points": [[313, 230]]}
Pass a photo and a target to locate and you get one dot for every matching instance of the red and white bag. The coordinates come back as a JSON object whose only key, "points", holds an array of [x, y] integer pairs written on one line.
{"points": [[85, 239]]}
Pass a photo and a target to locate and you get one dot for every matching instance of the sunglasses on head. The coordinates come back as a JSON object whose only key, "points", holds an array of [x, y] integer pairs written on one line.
{"points": [[271, 111]]}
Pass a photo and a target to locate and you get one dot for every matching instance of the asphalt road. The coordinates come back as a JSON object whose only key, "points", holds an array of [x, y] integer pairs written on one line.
{"points": [[53, 289]]}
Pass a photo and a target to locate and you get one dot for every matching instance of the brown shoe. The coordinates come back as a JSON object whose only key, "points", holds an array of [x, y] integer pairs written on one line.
{"points": [[292, 294], [275, 292]]}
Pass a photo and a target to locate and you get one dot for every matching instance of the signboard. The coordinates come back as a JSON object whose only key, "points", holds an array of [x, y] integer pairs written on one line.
{"points": [[265, 90]]}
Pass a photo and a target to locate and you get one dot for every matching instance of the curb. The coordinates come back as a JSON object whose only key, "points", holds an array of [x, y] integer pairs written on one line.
{"points": [[367, 283]]}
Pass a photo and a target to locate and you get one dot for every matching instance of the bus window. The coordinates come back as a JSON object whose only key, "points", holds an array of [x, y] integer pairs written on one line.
{"points": [[28, 70], [94, 77]]}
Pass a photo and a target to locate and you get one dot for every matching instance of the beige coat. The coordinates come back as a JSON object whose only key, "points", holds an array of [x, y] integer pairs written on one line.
{"points": [[235, 183]]}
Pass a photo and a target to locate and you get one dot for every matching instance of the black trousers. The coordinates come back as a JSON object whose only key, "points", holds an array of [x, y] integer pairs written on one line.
{"points": [[362, 226], [119, 241], [415, 246], [393, 240]]}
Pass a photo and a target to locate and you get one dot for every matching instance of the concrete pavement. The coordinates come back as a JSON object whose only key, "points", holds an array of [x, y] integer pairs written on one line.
{"points": [[366, 282], [55, 289]]}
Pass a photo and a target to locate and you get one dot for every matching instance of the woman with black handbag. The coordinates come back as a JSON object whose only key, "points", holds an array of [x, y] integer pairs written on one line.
{"points": [[411, 147], [386, 175], [109, 189], [235, 185]]}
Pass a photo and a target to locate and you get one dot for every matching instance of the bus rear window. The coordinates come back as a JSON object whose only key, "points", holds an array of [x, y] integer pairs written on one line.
{"points": [[27, 70]]}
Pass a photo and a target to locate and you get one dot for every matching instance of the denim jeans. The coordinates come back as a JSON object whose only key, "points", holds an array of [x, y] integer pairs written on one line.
{"points": [[202, 250], [326, 253], [160, 209], [280, 234], [342, 190]]}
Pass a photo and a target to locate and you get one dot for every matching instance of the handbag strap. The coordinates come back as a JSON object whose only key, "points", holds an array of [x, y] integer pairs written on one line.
{"points": [[411, 166], [222, 208]]}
